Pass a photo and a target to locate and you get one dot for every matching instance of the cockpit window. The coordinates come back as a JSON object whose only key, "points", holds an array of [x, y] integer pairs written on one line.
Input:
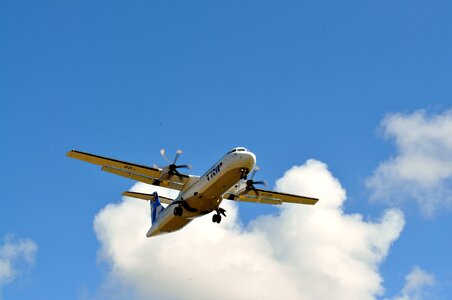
{"points": [[237, 150]]}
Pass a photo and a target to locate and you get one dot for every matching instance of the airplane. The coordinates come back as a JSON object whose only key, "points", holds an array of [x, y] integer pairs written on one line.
{"points": [[199, 195]]}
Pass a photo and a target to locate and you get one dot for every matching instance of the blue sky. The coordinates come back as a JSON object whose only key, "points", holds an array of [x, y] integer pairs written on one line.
{"points": [[289, 80]]}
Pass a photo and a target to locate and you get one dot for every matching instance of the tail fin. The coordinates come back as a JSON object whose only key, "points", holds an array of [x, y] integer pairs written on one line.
{"points": [[156, 208]]}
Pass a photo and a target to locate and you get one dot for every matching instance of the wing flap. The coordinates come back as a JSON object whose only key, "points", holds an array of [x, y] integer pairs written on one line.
{"points": [[141, 178], [147, 197], [252, 199], [128, 174], [133, 171], [270, 197], [118, 164], [288, 198]]}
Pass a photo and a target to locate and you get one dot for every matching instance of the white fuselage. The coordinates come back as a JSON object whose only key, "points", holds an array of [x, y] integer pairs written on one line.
{"points": [[203, 194]]}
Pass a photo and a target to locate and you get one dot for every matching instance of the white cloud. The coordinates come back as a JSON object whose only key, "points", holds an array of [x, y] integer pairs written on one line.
{"points": [[417, 282], [422, 169], [14, 252], [302, 252]]}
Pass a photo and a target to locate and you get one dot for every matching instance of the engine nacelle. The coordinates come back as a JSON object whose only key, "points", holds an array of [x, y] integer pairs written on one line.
{"points": [[239, 188]]}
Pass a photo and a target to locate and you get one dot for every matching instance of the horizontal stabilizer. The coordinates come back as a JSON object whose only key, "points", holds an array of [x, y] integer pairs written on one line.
{"points": [[147, 197]]}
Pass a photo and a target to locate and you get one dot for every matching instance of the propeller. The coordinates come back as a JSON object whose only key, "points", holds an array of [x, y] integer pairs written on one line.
{"points": [[250, 183], [172, 167]]}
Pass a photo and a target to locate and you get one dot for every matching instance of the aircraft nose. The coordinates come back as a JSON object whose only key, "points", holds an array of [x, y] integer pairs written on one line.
{"points": [[253, 157], [250, 159], [245, 159]]}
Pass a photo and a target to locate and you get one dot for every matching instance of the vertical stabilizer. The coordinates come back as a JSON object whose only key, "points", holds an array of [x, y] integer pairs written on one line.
{"points": [[156, 208]]}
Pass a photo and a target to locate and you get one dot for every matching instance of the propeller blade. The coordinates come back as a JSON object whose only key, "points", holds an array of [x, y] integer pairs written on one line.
{"points": [[256, 168], [184, 167], [162, 152], [255, 191], [179, 175], [171, 169], [250, 182], [178, 153], [260, 182]]}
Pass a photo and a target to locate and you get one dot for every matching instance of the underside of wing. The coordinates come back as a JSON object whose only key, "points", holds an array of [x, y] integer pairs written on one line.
{"points": [[147, 197], [270, 197], [137, 172]]}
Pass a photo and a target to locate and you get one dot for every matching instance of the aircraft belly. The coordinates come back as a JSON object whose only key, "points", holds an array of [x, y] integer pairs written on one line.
{"points": [[167, 224], [206, 200], [174, 223]]}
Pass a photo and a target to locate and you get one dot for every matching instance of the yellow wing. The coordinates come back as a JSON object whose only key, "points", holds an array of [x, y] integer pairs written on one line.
{"points": [[270, 197], [137, 172]]}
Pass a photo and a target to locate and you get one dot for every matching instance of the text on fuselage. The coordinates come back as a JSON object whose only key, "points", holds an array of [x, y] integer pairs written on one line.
{"points": [[214, 171]]}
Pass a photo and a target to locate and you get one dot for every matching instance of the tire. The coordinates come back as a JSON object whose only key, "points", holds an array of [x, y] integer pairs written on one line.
{"points": [[216, 218], [177, 211]]}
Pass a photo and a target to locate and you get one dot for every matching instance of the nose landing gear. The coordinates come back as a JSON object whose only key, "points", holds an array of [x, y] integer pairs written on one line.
{"points": [[178, 211], [216, 218], [243, 173]]}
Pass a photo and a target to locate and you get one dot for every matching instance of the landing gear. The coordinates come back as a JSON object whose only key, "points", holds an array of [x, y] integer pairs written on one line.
{"points": [[244, 173], [216, 218], [178, 211]]}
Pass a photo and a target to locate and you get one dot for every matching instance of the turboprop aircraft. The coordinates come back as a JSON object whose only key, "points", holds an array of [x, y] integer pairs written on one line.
{"points": [[199, 195]]}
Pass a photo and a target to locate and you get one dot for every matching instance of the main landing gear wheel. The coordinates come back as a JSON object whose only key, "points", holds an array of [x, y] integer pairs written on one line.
{"points": [[216, 218], [177, 211]]}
